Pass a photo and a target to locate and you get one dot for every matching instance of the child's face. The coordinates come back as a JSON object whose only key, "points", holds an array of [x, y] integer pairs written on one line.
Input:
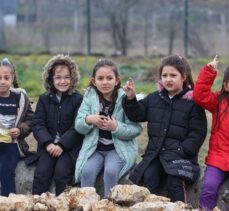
{"points": [[172, 80], [61, 79], [105, 81], [6, 80]]}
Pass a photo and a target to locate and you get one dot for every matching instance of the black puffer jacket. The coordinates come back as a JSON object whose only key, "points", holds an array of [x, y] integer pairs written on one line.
{"points": [[52, 116], [176, 128]]}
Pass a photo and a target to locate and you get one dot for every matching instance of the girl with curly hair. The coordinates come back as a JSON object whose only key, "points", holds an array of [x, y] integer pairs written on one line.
{"points": [[53, 125]]}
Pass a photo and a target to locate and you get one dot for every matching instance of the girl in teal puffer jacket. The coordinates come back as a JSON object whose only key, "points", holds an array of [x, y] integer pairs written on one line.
{"points": [[109, 141]]}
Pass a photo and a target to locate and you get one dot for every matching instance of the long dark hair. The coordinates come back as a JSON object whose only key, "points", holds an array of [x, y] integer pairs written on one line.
{"points": [[111, 65], [224, 94], [182, 65], [6, 63]]}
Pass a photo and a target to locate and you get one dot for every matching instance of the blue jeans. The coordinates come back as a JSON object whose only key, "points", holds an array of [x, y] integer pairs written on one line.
{"points": [[213, 178], [112, 164], [9, 157]]}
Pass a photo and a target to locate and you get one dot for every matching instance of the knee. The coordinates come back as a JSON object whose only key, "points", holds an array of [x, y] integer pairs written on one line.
{"points": [[111, 172], [87, 172]]}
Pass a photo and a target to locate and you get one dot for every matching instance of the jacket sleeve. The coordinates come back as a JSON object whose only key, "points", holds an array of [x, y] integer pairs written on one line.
{"points": [[25, 125], [72, 137], [202, 93], [127, 130], [197, 131], [135, 110], [80, 124], [39, 125]]}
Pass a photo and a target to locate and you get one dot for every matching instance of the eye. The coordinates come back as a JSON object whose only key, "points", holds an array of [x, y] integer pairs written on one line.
{"points": [[99, 78], [7, 78], [57, 77], [173, 75], [110, 78], [67, 78]]}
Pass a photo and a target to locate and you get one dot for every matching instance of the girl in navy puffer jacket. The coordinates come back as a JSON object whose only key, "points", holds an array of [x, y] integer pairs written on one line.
{"points": [[176, 129]]}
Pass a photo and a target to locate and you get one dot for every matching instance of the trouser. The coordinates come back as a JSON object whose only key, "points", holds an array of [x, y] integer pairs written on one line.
{"points": [[153, 179], [213, 178], [9, 157], [59, 169], [112, 164]]}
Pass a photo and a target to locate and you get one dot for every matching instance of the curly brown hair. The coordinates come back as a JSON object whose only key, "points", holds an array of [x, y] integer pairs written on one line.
{"points": [[49, 70]]}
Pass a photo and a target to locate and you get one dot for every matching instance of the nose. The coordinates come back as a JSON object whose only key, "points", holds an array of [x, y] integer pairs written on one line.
{"points": [[105, 81], [168, 78]]}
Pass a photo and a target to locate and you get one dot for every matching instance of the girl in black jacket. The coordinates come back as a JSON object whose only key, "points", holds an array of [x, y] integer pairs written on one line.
{"points": [[53, 125], [176, 129]]}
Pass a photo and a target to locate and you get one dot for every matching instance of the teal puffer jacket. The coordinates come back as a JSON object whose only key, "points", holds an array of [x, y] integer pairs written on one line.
{"points": [[123, 137]]}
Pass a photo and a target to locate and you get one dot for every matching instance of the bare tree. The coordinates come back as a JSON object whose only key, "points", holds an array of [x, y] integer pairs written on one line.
{"points": [[198, 45], [148, 8], [117, 12], [45, 12], [174, 23]]}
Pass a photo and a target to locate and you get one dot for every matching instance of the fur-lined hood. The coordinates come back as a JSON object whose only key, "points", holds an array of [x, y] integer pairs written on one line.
{"points": [[60, 59], [188, 95]]}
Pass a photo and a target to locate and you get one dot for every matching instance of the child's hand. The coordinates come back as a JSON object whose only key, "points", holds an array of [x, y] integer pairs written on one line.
{"points": [[50, 148], [109, 124], [14, 132], [96, 120], [129, 89], [57, 151], [214, 63], [54, 150]]}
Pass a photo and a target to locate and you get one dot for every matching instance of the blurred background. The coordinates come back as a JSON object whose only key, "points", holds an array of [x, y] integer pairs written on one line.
{"points": [[115, 27]]}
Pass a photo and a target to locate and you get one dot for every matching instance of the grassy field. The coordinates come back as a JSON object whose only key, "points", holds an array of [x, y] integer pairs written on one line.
{"points": [[142, 70]]}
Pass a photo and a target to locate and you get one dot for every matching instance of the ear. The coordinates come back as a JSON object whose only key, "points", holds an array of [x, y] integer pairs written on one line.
{"points": [[184, 77], [118, 79], [93, 81]]}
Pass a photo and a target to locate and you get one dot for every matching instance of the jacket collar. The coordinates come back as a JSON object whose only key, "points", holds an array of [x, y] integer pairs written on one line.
{"points": [[52, 94], [186, 93]]}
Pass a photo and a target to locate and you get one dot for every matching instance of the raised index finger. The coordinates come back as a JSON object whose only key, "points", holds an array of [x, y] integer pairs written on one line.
{"points": [[216, 58]]}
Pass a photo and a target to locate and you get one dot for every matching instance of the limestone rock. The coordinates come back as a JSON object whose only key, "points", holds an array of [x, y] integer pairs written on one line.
{"points": [[155, 198], [50, 202], [6, 204], [128, 194], [106, 205], [40, 207], [21, 202], [81, 197], [160, 206]]}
